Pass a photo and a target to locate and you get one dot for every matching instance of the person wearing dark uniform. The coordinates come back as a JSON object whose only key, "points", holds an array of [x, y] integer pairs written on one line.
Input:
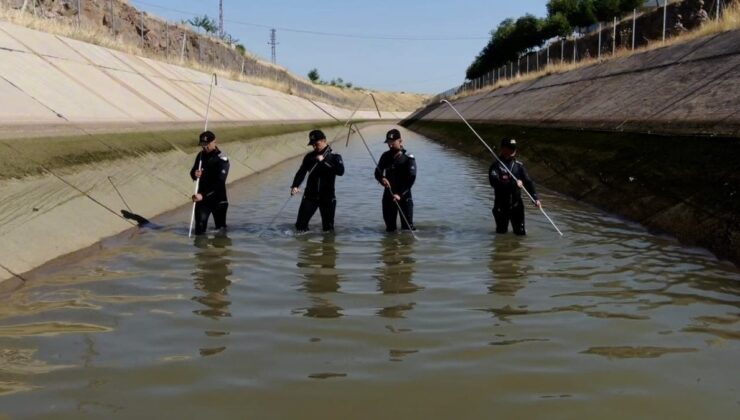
{"points": [[508, 205], [212, 167], [396, 171], [322, 167]]}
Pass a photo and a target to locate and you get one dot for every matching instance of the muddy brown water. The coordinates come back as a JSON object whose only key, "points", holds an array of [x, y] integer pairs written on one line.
{"points": [[608, 321]]}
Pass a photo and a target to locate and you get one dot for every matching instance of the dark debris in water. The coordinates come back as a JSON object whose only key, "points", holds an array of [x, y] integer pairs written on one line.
{"points": [[510, 342], [211, 351], [630, 352], [327, 375]]}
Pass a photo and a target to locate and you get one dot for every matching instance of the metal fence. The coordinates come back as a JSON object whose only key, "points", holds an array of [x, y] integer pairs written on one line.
{"points": [[174, 42], [605, 39]]}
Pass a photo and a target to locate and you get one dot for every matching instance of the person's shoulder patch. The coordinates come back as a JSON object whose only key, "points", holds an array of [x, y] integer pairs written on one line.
{"points": [[411, 157], [224, 158]]}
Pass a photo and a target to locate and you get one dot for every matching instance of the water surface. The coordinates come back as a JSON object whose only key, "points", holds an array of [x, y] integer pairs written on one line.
{"points": [[607, 321]]}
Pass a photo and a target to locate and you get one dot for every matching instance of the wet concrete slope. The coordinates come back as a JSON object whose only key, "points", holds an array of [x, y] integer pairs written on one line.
{"points": [[653, 137]]}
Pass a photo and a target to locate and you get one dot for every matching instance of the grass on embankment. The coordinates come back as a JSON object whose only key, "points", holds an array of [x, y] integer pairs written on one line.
{"points": [[20, 158], [729, 21]]}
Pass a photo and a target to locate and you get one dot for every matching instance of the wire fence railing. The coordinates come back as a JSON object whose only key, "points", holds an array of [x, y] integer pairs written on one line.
{"points": [[640, 29]]}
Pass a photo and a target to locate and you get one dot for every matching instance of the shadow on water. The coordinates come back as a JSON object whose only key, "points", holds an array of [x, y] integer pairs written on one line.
{"points": [[317, 263]]}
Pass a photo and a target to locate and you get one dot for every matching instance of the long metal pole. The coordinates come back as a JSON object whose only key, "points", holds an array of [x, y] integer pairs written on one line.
{"points": [[614, 36], [214, 82], [79, 13], [182, 52], [599, 54], [634, 26], [502, 164], [665, 16]]}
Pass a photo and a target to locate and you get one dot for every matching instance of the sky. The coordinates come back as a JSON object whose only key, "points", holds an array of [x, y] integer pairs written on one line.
{"points": [[421, 46]]}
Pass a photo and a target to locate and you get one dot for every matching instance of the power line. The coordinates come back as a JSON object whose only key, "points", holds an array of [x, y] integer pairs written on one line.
{"points": [[327, 34]]}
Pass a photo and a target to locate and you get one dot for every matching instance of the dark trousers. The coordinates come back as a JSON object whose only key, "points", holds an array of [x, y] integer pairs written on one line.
{"points": [[327, 207], [203, 212], [504, 213], [390, 212]]}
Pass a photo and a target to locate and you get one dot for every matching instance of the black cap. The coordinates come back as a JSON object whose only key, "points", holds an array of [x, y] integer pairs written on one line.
{"points": [[508, 142], [392, 135], [315, 136], [206, 137]]}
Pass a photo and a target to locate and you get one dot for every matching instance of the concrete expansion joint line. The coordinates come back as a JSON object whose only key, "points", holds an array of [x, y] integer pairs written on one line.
{"points": [[14, 274]]}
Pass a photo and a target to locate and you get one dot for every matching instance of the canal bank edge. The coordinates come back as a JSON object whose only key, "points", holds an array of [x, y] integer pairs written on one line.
{"points": [[70, 201], [687, 89], [685, 186]]}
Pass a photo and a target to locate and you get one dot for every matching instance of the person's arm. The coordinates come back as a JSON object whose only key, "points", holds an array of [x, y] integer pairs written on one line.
{"points": [[411, 168], [493, 178], [195, 167], [528, 184], [380, 168], [336, 163], [301, 174], [224, 165]]}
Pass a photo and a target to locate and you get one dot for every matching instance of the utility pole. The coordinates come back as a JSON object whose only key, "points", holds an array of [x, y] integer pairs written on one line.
{"points": [[221, 19], [273, 43]]}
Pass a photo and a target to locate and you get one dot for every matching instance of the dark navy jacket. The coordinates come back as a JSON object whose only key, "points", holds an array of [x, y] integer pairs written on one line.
{"points": [[504, 187], [399, 170], [213, 181], [320, 183]]}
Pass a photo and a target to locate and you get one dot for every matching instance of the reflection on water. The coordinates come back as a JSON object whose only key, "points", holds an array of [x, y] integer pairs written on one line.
{"points": [[211, 276], [317, 263], [211, 280], [606, 322], [508, 264], [396, 272]]}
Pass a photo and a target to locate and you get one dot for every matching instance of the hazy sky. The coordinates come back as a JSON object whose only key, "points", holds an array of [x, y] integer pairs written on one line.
{"points": [[461, 28]]}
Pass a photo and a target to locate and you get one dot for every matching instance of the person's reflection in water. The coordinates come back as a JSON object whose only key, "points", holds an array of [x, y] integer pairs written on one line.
{"points": [[317, 262], [395, 276], [211, 276], [507, 272]]}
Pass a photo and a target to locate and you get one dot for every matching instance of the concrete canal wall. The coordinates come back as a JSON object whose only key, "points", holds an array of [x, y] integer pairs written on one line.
{"points": [[585, 133], [88, 132]]}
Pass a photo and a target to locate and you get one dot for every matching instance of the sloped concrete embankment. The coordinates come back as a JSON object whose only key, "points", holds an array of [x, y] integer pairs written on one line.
{"points": [[67, 202], [683, 184], [80, 121], [686, 89], [49, 79]]}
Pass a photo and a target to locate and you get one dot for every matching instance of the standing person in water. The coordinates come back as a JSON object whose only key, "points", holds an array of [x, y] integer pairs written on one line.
{"points": [[211, 195], [508, 205], [396, 171], [322, 166]]}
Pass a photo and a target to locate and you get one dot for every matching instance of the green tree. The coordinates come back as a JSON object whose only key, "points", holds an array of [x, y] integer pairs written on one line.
{"points": [[606, 10], [204, 22], [567, 8], [557, 25], [314, 76], [627, 6], [585, 15]]}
